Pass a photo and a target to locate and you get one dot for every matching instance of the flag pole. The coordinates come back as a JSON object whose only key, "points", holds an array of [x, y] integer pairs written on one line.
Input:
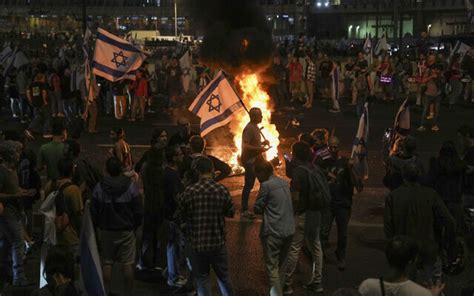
{"points": [[86, 109], [243, 104]]}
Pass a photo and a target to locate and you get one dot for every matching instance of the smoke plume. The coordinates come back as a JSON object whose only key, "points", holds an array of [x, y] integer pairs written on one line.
{"points": [[236, 36]]}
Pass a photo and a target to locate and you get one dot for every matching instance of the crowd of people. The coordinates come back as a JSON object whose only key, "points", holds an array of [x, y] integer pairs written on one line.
{"points": [[174, 194]]}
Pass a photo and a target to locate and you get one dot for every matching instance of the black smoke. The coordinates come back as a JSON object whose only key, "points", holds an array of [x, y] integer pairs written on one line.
{"points": [[236, 36]]}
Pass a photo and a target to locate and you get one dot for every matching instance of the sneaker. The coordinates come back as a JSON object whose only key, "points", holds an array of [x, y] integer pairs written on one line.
{"points": [[178, 283], [332, 110], [421, 129], [435, 128], [60, 114], [341, 264], [15, 116], [314, 287], [140, 267], [47, 136], [431, 116], [23, 283], [247, 214], [29, 135]]}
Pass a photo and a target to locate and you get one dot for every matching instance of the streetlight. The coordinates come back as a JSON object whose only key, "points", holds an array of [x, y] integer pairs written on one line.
{"points": [[428, 29], [357, 31], [349, 31]]}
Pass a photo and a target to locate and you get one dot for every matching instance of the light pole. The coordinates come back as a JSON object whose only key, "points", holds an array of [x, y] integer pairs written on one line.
{"points": [[175, 18]]}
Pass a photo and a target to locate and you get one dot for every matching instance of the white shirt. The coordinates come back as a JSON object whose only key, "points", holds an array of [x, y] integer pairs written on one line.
{"points": [[371, 287]]}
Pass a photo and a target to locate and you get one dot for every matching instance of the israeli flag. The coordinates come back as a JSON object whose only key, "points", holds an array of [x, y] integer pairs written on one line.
{"points": [[91, 272], [359, 148], [368, 49], [185, 62], [381, 46], [115, 58], [216, 104]]}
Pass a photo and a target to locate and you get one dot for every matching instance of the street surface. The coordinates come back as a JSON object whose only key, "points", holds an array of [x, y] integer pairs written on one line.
{"points": [[365, 256]]}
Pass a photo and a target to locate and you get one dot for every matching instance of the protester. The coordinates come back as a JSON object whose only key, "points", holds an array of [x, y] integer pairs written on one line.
{"points": [[153, 228], [401, 255], [140, 90], [295, 78], [204, 206], [171, 188], [434, 83], [184, 133], [342, 180], [11, 219], [68, 203], [418, 212], [50, 153], [117, 211], [307, 219], [121, 149], [309, 78], [278, 227], [252, 149], [58, 272], [37, 95], [120, 101]]}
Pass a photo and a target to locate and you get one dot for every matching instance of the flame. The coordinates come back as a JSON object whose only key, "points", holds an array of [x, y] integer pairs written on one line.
{"points": [[253, 95]]}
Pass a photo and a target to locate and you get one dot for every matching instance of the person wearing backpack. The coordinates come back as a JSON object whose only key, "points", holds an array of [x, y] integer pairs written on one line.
{"points": [[342, 180], [86, 176], [418, 212], [310, 194], [69, 206]]}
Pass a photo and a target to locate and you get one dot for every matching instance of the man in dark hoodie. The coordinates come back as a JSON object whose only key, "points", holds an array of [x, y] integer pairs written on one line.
{"points": [[117, 211]]}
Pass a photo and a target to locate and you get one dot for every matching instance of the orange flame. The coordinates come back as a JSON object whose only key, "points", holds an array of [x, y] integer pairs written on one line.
{"points": [[254, 96]]}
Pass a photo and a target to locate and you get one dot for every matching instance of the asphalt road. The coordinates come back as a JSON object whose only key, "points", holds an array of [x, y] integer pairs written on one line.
{"points": [[365, 257]]}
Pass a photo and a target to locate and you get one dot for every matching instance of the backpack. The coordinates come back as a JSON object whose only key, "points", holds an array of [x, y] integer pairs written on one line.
{"points": [[90, 175], [61, 221], [319, 195]]}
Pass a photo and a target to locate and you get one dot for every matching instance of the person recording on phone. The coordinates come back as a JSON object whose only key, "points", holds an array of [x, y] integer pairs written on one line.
{"points": [[252, 149]]}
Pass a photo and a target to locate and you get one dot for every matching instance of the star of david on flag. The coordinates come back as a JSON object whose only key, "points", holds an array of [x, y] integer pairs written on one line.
{"points": [[115, 58], [216, 104]]}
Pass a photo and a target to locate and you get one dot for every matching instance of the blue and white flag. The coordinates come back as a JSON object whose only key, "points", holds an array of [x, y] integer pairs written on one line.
{"points": [[460, 48], [368, 49], [401, 126], [115, 58], [91, 272], [216, 104], [185, 62], [381, 46], [359, 148], [470, 11]]}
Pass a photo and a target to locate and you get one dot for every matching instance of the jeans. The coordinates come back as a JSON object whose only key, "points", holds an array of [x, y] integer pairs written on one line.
{"points": [[435, 100], [248, 185], [15, 106], [314, 248], [41, 121], [70, 108], [151, 240], [275, 251], [174, 251], [456, 91], [26, 109], [342, 216], [201, 262], [56, 103], [12, 230]]}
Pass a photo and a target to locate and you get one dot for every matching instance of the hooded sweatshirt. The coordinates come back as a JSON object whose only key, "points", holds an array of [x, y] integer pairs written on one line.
{"points": [[116, 204]]}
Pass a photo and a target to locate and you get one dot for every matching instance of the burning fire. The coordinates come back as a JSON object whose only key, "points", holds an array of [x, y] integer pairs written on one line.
{"points": [[254, 96]]}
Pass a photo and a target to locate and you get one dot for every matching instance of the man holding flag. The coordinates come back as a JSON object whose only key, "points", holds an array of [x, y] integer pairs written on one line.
{"points": [[359, 149]]}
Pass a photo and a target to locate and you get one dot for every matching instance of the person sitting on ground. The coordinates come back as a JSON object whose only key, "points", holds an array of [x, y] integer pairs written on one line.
{"points": [[401, 254], [59, 273]]}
